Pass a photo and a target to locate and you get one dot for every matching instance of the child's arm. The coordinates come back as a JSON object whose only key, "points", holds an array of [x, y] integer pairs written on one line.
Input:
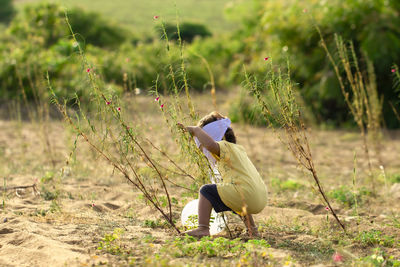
{"points": [[204, 138]]}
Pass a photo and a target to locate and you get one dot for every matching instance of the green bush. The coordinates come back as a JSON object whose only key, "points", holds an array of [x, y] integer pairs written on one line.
{"points": [[45, 24], [188, 31], [281, 30], [94, 29], [37, 41], [7, 11]]}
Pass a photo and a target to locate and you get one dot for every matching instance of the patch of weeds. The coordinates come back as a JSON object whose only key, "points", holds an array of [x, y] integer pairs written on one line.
{"points": [[48, 177], [219, 247], [193, 193], [308, 252], [130, 214], [288, 185], [375, 237], [54, 206], [70, 196], [394, 178], [39, 212], [111, 242], [48, 194], [164, 201], [48, 190], [396, 222], [156, 223], [156, 260], [294, 228], [349, 198], [379, 258], [149, 238]]}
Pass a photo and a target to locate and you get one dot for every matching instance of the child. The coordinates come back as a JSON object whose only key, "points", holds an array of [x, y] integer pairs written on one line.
{"points": [[242, 189]]}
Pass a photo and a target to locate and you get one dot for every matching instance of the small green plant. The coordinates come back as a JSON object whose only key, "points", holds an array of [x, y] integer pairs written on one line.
{"points": [[111, 242], [39, 212], [394, 178], [155, 223], [376, 237], [219, 247], [47, 177], [54, 206], [192, 222], [379, 258], [349, 197]]}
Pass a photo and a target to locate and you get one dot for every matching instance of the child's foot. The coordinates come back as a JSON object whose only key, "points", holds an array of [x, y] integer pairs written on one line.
{"points": [[254, 233], [198, 232]]}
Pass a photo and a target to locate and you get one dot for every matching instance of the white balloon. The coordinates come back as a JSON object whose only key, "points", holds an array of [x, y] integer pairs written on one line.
{"points": [[189, 218]]}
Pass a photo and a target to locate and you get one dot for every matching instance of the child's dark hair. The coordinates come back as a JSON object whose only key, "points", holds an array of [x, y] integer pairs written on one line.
{"points": [[214, 116]]}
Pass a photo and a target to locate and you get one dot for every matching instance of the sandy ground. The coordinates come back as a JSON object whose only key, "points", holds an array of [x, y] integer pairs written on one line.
{"points": [[93, 199]]}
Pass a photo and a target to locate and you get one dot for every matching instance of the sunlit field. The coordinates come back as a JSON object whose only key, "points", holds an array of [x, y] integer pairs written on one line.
{"points": [[99, 159]]}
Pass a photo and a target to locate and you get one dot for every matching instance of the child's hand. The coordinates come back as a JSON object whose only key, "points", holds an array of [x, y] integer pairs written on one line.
{"points": [[181, 126], [189, 129]]}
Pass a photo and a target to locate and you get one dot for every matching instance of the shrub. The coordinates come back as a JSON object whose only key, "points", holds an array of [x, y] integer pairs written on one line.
{"points": [[45, 24], [281, 30], [188, 31], [7, 11], [96, 30], [37, 42]]}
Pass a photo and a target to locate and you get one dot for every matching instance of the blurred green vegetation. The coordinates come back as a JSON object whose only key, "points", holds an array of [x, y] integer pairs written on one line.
{"points": [[137, 15], [38, 40], [284, 30], [7, 11]]}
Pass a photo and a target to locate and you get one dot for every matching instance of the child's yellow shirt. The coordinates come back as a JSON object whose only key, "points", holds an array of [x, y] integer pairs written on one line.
{"points": [[242, 185]]}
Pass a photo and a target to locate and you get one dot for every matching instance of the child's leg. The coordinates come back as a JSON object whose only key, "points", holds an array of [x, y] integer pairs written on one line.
{"points": [[204, 218], [250, 225]]}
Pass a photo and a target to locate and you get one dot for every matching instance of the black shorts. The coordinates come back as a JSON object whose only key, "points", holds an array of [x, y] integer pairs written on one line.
{"points": [[210, 192]]}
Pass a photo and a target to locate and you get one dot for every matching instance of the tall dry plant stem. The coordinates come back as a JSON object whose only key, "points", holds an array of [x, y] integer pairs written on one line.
{"points": [[396, 86], [183, 172], [288, 116], [134, 143], [40, 113], [212, 80], [361, 97], [137, 182], [174, 113]]}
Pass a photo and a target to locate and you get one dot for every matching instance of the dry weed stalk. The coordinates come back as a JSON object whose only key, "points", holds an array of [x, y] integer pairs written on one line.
{"points": [[126, 145], [212, 80], [361, 98], [40, 113], [136, 180], [396, 85], [174, 113], [288, 117]]}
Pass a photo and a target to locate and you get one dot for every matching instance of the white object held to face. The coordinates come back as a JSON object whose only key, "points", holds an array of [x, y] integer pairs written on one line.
{"points": [[216, 130]]}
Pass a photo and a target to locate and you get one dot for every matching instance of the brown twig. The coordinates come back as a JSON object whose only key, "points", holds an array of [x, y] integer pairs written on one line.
{"points": [[33, 186], [19, 187], [139, 183], [184, 173]]}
